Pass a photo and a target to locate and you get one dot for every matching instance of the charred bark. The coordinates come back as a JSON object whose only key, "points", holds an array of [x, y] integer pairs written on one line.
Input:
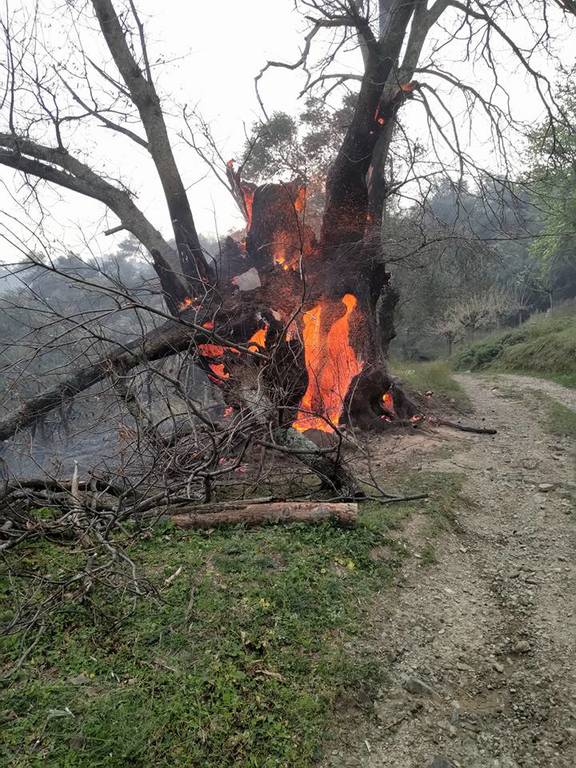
{"points": [[345, 215]]}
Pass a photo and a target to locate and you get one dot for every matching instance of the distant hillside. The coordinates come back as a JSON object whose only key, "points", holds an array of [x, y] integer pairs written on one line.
{"points": [[544, 345]]}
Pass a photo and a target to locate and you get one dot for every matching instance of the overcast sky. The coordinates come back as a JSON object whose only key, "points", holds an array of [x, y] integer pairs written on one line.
{"points": [[216, 49]]}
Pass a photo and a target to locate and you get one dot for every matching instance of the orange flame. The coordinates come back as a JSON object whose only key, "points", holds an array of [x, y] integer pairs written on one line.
{"points": [[286, 253], [297, 239], [248, 195], [331, 364], [188, 302], [258, 339], [388, 401], [300, 201], [214, 350]]}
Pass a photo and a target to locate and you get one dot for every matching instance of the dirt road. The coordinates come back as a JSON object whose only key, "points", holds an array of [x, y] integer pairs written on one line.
{"points": [[480, 647]]}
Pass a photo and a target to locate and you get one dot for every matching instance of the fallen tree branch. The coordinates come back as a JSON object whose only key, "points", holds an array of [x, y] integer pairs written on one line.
{"points": [[161, 342], [461, 427]]}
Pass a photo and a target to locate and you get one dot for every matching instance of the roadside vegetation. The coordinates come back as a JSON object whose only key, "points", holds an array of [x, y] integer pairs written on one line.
{"points": [[560, 420], [239, 658], [435, 377], [545, 346]]}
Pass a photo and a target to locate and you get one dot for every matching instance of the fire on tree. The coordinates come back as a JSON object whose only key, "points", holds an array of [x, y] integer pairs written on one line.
{"points": [[297, 338]]}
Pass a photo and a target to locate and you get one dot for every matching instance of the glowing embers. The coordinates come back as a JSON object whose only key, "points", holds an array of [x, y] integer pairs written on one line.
{"points": [[287, 248], [331, 363], [248, 195], [258, 339], [388, 404], [293, 239], [188, 302], [217, 368], [215, 351]]}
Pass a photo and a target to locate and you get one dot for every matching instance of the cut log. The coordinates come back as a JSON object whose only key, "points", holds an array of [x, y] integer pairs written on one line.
{"points": [[345, 515]]}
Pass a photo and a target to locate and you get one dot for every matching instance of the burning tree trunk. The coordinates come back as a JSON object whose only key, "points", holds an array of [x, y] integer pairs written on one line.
{"points": [[315, 309], [331, 304], [339, 283]]}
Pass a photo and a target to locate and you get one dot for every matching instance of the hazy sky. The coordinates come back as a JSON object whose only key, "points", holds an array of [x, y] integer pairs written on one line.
{"points": [[216, 49]]}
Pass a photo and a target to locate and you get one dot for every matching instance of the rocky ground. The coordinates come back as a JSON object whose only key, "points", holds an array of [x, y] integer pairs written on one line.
{"points": [[480, 646]]}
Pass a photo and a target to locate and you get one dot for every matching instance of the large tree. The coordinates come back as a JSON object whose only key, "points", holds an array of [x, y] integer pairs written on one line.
{"points": [[304, 326]]}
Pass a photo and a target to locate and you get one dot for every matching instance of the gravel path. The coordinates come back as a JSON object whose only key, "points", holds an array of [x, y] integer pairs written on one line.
{"points": [[480, 648], [525, 383]]}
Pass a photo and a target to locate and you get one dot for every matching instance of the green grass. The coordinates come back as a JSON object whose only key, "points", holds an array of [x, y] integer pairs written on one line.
{"points": [[428, 555], [240, 661], [560, 420], [545, 345], [434, 376]]}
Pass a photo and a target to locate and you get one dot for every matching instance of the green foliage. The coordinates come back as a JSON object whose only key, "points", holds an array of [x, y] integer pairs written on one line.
{"points": [[558, 191], [553, 181], [545, 345], [457, 255], [288, 147], [271, 143], [560, 420], [486, 352]]}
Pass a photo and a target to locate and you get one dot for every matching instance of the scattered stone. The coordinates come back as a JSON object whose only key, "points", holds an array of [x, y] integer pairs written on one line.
{"points": [[546, 487], [79, 680], [498, 667], [441, 762], [455, 715], [77, 741], [418, 687], [522, 646]]}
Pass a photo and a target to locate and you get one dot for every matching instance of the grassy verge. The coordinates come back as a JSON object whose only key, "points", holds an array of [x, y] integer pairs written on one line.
{"points": [[545, 346], [436, 377], [560, 420], [239, 660]]}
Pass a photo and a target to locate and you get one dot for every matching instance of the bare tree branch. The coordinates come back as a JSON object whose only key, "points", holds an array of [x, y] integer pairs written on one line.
{"points": [[143, 93], [59, 167]]}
